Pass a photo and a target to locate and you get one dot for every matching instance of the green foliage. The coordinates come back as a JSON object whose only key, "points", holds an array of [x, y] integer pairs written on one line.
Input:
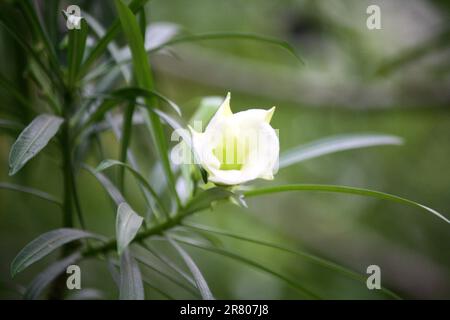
{"points": [[128, 223], [78, 83], [44, 245], [343, 189], [131, 286], [32, 140], [196, 273]]}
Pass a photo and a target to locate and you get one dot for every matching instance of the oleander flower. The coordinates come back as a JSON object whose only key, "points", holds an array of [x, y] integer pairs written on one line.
{"points": [[237, 148]]}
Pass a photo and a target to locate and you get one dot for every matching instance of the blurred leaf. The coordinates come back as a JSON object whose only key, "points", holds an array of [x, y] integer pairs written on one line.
{"points": [[128, 223], [112, 32], [48, 275], [131, 287], [35, 192], [341, 189], [111, 69], [98, 114], [32, 140], [142, 22], [204, 199], [149, 282], [10, 28], [105, 164], [87, 294], [77, 45], [145, 260], [172, 121], [125, 142], [169, 263], [156, 34], [306, 292], [51, 19], [199, 279], [143, 75], [115, 194], [335, 144], [36, 26], [131, 93], [11, 89], [206, 109], [115, 275], [311, 258], [230, 35], [440, 41], [44, 245]]}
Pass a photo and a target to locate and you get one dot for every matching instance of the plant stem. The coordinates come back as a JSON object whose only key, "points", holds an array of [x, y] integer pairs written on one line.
{"points": [[67, 168], [155, 230], [59, 285]]}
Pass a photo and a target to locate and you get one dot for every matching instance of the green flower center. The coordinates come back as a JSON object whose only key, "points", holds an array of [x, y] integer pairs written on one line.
{"points": [[231, 152]]}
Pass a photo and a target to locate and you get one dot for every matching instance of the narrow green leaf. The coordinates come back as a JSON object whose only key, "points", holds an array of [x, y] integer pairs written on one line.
{"points": [[128, 223], [26, 46], [169, 263], [131, 93], [125, 142], [145, 260], [51, 9], [142, 18], [32, 140], [36, 26], [116, 276], [144, 78], [310, 257], [76, 48], [342, 189], [105, 164], [230, 35], [306, 292], [35, 192], [112, 32], [196, 273], [13, 126], [44, 245], [48, 275], [131, 286], [112, 69], [133, 164], [335, 144], [113, 192], [155, 34], [11, 89]]}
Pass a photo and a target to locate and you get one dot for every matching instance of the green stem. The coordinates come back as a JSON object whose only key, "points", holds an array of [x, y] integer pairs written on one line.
{"points": [[67, 168], [57, 289], [59, 285], [157, 229], [126, 136]]}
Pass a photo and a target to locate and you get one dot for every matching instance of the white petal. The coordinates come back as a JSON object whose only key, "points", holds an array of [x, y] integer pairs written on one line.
{"points": [[253, 116], [221, 114]]}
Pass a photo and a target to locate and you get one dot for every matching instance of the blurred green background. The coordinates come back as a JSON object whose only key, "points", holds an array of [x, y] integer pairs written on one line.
{"points": [[395, 80]]}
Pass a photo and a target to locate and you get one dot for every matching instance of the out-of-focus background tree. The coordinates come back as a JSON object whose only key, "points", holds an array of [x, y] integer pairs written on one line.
{"points": [[395, 80]]}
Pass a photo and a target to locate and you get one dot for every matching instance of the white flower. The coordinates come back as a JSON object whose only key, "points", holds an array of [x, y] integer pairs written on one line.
{"points": [[236, 148]]}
